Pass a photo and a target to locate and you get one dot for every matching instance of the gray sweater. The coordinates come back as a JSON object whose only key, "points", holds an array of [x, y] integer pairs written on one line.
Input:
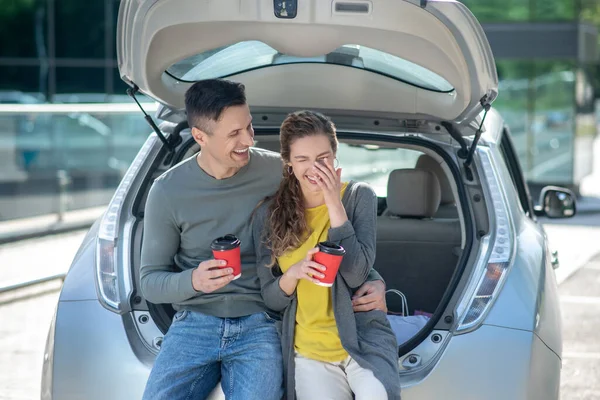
{"points": [[366, 336], [186, 209]]}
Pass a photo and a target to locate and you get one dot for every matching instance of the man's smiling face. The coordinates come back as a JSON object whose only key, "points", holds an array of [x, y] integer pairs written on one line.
{"points": [[226, 144]]}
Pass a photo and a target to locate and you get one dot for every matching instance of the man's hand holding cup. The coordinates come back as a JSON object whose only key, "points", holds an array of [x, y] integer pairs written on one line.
{"points": [[212, 275]]}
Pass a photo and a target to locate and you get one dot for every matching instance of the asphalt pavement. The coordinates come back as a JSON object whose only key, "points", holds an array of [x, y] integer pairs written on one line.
{"points": [[580, 309]]}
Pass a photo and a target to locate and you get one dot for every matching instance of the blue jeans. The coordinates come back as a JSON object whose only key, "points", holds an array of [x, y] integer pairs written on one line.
{"points": [[198, 350]]}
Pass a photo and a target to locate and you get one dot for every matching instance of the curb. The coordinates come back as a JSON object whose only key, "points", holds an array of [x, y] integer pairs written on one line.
{"points": [[44, 225], [22, 285], [45, 231]]}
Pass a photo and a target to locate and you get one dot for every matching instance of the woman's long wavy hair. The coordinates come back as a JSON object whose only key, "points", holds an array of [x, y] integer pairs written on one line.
{"points": [[287, 223]]}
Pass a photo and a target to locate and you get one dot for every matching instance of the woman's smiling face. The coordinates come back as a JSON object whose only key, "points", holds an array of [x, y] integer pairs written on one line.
{"points": [[304, 153]]}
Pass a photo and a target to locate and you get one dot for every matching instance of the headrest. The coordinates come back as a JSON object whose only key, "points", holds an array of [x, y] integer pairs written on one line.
{"points": [[413, 193], [428, 163]]}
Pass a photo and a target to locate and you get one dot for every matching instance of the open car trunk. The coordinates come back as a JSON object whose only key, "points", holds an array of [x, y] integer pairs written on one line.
{"points": [[422, 257], [425, 59]]}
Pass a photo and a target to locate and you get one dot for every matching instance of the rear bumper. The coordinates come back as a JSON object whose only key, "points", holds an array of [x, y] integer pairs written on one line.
{"points": [[88, 356], [492, 363]]}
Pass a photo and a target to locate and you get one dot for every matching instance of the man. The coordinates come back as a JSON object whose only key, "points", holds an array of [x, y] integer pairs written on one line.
{"points": [[222, 329]]}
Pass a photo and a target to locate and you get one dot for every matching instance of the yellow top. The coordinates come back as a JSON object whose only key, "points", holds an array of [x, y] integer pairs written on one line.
{"points": [[316, 335]]}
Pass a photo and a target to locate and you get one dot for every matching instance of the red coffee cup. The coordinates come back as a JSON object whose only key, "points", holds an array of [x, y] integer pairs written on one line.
{"points": [[228, 248], [330, 255]]}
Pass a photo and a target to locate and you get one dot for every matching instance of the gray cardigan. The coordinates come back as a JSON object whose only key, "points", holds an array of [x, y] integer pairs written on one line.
{"points": [[366, 336]]}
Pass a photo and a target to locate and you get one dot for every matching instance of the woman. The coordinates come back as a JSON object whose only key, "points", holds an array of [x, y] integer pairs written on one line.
{"points": [[329, 351]]}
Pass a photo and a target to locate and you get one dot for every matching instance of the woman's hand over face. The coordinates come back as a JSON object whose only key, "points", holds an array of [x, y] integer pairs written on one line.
{"points": [[329, 180]]}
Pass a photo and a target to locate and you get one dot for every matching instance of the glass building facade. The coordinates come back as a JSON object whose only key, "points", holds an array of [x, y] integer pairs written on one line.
{"points": [[57, 47], [546, 55], [63, 52]]}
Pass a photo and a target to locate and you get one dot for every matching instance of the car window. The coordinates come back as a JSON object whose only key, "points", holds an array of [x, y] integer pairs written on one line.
{"points": [[373, 164], [248, 55], [516, 173], [366, 163]]}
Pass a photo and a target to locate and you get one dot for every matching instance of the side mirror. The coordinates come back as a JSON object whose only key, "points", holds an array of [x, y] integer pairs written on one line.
{"points": [[556, 202]]}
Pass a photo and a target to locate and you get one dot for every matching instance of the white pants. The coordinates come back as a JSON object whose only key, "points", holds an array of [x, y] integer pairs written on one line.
{"points": [[333, 381]]}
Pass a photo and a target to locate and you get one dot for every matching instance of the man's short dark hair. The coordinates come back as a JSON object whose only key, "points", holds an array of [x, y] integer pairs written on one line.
{"points": [[205, 100]]}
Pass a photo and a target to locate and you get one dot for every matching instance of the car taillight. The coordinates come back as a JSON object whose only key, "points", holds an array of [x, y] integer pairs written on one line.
{"points": [[107, 272], [495, 254]]}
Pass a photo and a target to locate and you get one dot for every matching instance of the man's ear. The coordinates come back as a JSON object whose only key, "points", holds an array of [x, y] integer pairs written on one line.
{"points": [[199, 136]]}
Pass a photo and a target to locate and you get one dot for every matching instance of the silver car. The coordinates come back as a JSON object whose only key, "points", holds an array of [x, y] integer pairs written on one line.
{"points": [[409, 84]]}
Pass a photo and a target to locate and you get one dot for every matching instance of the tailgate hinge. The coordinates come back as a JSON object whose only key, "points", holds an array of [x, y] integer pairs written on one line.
{"points": [[467, 152], [485, 104], [166, 141]]}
